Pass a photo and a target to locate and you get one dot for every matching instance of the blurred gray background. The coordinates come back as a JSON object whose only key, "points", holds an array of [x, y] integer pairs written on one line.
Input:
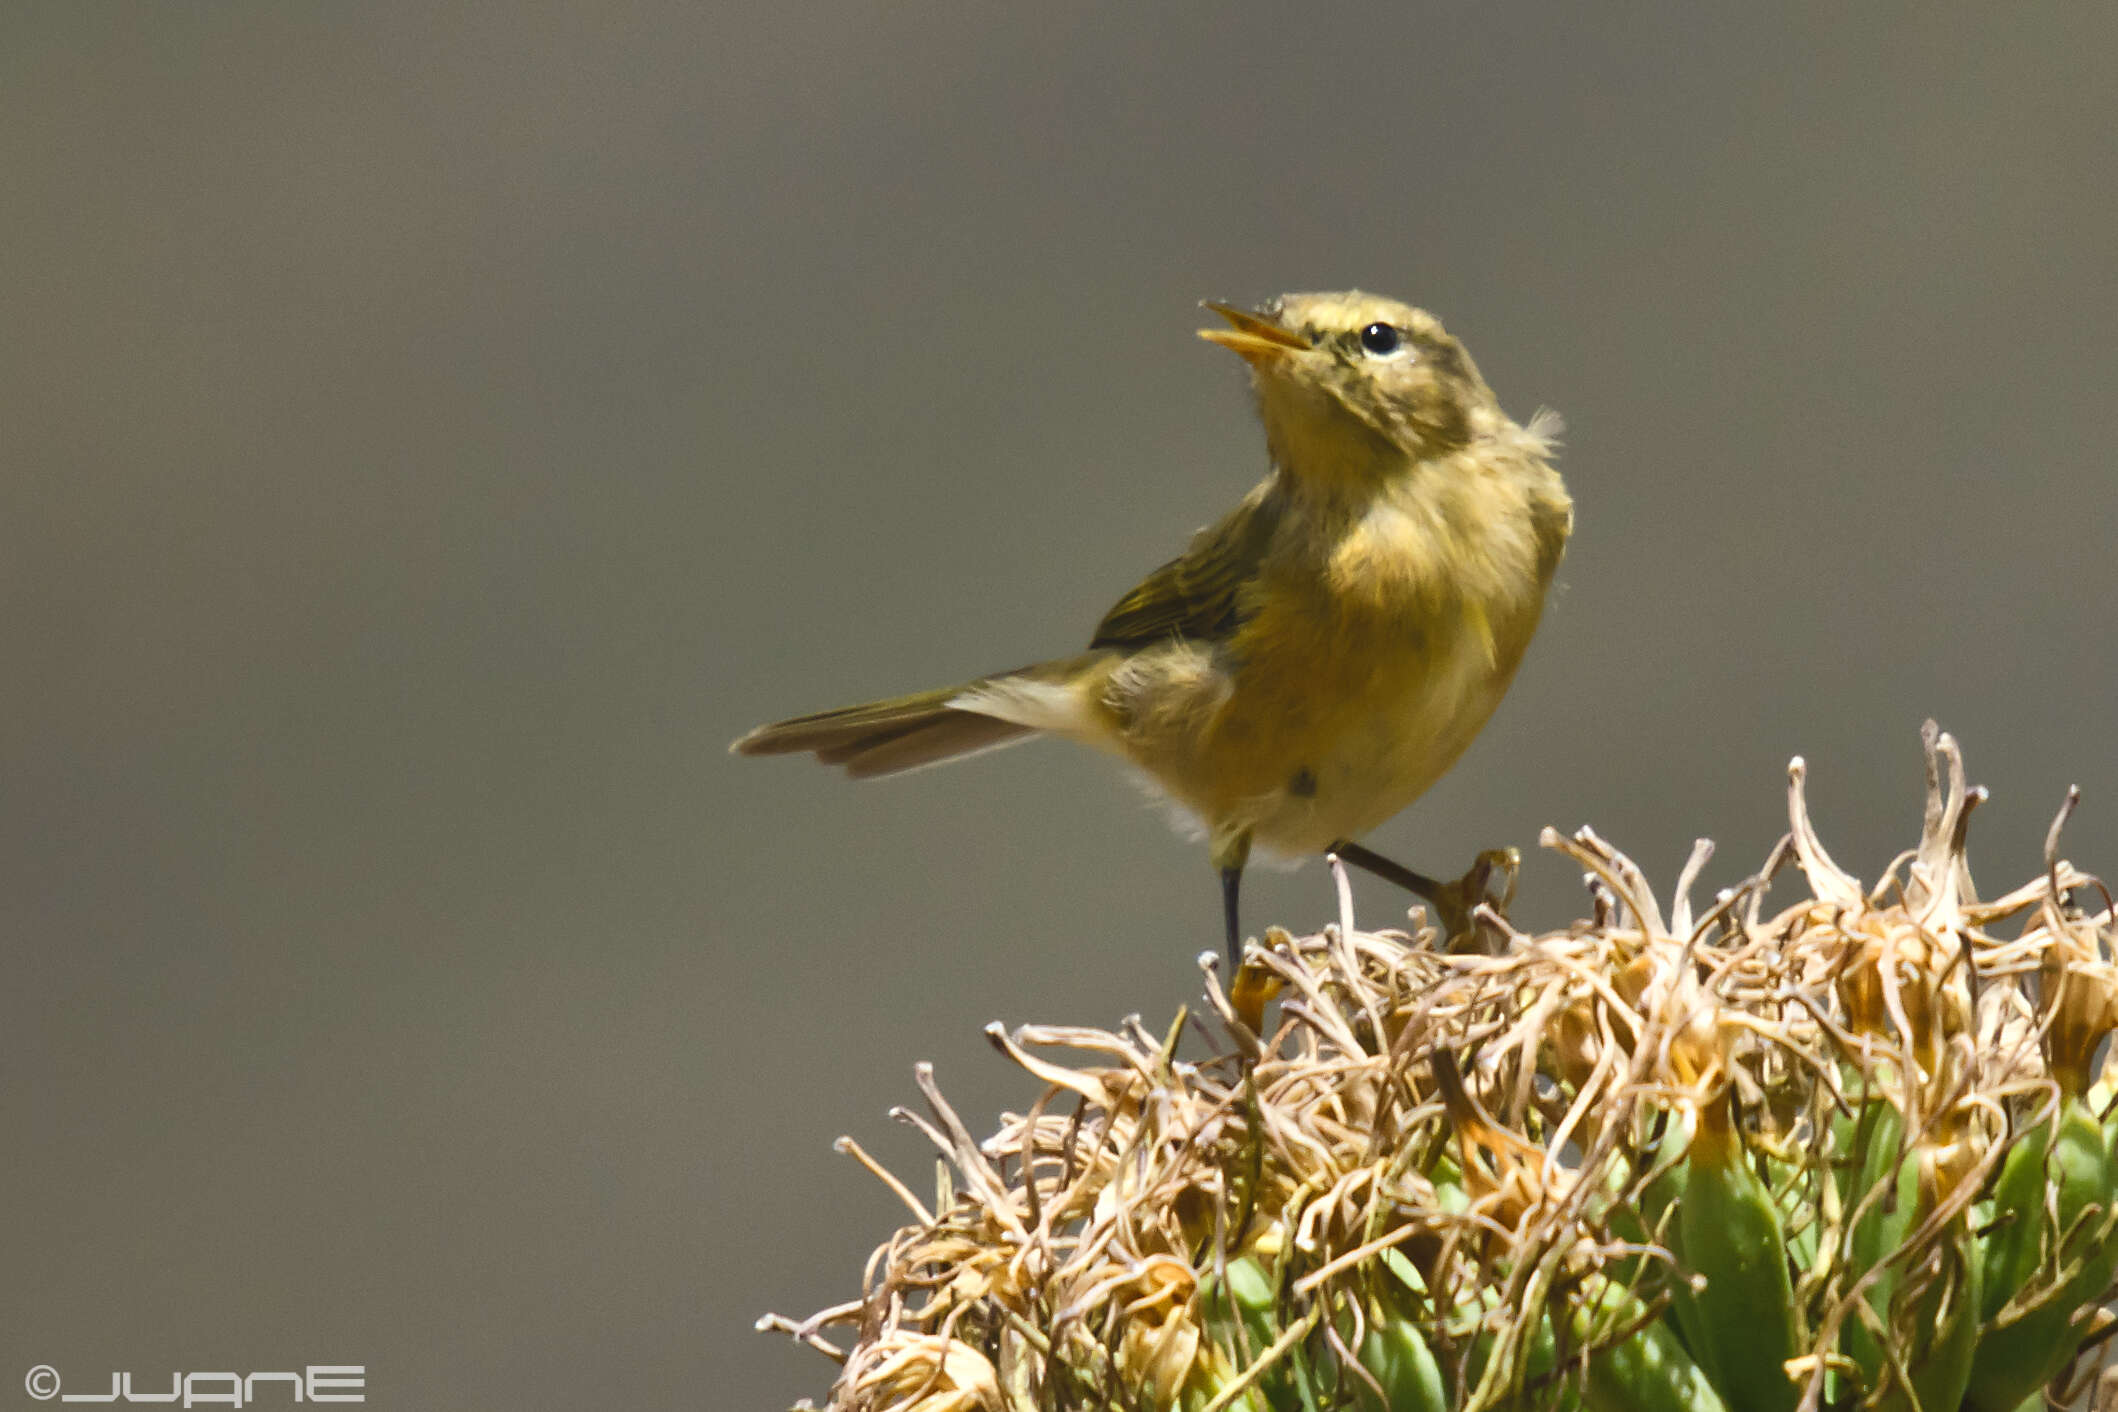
{"points": [[428, 434]]}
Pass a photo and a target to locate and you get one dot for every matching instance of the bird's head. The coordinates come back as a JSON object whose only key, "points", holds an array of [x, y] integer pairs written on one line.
{"points": [[1352, 385]]}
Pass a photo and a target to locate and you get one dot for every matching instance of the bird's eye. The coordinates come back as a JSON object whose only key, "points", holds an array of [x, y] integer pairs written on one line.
{"points": [[1381, 339]]}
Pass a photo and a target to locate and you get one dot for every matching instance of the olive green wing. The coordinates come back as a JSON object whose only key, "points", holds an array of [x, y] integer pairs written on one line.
{"points": [[1200, 593]]}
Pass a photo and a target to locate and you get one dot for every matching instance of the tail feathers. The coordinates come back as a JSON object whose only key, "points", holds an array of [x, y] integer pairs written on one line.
{"points": [[951, 735], [827, 729], [902, 733]]}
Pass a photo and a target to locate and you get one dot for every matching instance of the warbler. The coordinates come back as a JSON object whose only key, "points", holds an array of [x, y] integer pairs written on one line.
{"points": [[1316, 659]]}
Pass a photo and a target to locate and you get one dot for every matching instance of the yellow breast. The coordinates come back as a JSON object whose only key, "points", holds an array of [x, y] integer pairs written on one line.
{"points": [[1376, 640]]}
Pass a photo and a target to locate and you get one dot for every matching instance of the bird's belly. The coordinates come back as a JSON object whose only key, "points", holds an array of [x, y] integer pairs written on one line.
{"points": [[1317, 738], [1384, 751]]}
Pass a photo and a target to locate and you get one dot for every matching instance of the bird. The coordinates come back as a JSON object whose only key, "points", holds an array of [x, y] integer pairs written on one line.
{"points": [[1318, 657]]}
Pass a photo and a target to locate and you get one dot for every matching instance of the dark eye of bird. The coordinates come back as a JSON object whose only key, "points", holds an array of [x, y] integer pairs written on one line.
{"points": [[1380, 339]]}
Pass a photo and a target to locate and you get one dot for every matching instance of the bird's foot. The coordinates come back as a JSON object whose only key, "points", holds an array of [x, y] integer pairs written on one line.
{"points": [[1255, 984], [1455, 902]]}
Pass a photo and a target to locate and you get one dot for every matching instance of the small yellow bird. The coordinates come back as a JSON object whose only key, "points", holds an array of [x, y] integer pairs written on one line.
{"points": [[1318, 658]]}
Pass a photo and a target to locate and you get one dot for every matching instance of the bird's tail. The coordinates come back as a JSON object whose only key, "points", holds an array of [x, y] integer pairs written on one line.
{"points": [[928, 727]]}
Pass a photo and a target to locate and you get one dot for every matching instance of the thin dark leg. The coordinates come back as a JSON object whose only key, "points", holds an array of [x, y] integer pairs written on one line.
{"points": [[1231, 883], [1369, 861], [1453, 902]]}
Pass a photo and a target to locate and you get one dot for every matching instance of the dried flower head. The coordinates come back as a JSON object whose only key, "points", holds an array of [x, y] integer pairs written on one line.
{"points": [[1841, 1154]]}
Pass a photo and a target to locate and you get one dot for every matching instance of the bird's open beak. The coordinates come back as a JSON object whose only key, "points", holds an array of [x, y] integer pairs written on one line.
{"points": [[1259, 340]]}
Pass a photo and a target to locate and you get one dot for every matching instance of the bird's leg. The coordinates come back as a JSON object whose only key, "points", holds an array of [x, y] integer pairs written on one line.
{"points": [[1453, 902], [1230, 853]]}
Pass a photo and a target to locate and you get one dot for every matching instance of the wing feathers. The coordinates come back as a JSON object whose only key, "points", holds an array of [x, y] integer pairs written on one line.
{"points": [[1199, 594]]}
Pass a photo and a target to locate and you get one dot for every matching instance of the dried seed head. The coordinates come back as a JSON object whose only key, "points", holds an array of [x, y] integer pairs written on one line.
{"points": [[2078, 1000], [1440, 1148]]}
